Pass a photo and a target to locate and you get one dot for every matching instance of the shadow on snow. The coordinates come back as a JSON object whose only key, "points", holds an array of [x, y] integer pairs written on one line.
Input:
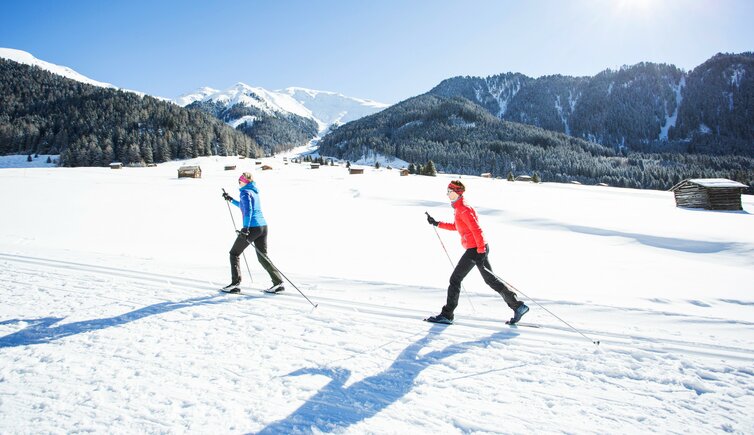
{"points": [[41, 331], [336, 407]]}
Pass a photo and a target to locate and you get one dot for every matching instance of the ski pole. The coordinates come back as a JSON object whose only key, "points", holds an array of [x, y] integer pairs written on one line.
{"points": [[451, 265], [251, 277], [595, 342], [281, 273]]}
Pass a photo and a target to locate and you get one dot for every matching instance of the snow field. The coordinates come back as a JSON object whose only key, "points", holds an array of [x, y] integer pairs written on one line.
{"points": [[111, 321]]}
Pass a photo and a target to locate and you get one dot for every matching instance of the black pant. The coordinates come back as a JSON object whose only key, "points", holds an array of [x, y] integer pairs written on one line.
{"points": [[258, 236], [467, 262]]}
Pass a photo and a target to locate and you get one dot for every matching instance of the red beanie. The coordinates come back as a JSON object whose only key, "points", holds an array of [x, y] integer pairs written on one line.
{"points": [[457, 187]]}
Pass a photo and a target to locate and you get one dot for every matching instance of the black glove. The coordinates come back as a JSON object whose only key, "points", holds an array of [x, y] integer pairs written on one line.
{"points": [[243, 232], [432, 220], [227, 197], [480, 257]]}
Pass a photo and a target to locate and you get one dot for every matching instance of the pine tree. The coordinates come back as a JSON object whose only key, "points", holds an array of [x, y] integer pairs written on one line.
{"points": [[510, 176], [535, 178], [430, 169]]}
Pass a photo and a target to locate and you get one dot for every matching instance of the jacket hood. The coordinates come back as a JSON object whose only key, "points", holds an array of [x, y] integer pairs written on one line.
{"points": [[251, 186]]}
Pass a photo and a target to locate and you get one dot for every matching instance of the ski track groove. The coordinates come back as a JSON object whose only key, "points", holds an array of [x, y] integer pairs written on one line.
{"points": [[545, 333]]}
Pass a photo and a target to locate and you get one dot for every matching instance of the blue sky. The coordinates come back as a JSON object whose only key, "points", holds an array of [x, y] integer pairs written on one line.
{"points": [[385, 50]]}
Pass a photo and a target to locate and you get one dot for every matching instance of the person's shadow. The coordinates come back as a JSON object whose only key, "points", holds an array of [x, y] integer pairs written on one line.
{"points": [[41, 330], [337, 407]]}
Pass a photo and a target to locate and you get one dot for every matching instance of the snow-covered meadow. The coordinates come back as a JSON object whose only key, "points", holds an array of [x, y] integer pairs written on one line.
{"points": [[111, 321]]}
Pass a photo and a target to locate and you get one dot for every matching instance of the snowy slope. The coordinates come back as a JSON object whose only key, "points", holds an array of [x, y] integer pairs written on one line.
{"points": [[331, 107], [325, 108], [111, 321], [27, 59]]}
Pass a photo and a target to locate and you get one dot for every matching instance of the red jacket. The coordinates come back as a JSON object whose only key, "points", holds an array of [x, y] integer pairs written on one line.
{"points": [[467, 225]]}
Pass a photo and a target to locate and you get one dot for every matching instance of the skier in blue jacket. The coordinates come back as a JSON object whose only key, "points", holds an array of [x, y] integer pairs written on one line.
{"points": [[254, 231]]}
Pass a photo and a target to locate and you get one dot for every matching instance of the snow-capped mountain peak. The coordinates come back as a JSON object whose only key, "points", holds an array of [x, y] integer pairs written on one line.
{"points": [[28, 59], [198, 95], [323, 107]]}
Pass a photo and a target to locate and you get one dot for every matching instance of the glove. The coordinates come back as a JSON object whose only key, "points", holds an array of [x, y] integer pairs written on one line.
{"points": [[227, 197], [480, 256], [432, 221], [243, 232]]}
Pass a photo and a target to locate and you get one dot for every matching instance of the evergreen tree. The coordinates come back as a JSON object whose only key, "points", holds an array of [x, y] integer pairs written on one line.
{"points": [[510, 176], [535, 178], [430, 169]]}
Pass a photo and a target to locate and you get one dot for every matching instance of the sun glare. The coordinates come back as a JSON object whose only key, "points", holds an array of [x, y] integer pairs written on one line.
{"points": [[636, 5]]}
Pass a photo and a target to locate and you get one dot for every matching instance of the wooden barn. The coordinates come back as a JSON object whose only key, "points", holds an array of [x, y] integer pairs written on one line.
{"points": [[116, 165], [230, 167], [315, 165], [354, 171], [486, 175], [523, 178], [190, 171], [709, 193], [404, 172], [266, 167]]}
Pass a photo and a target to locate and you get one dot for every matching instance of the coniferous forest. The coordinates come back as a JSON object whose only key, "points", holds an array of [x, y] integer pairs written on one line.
{"points": [[462, 137], [43, 113]]}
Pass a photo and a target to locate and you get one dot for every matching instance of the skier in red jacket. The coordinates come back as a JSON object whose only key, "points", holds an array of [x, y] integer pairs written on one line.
{"points": [[472, 239]]}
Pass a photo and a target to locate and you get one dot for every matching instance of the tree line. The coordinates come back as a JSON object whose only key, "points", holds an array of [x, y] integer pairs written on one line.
{"points": [[462, 137]]}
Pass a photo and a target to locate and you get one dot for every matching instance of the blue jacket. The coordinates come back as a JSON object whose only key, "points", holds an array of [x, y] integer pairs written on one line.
{"points": [[251, 207]]}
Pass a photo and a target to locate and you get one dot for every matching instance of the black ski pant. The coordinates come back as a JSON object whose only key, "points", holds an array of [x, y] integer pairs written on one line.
{"points": [[257, 236], [467, 262]]}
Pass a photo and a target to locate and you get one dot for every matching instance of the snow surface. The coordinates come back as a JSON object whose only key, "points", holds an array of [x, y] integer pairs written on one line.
{"points": [[111, 322]]}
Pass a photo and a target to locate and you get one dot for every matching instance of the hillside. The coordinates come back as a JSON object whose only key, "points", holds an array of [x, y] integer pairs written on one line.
{"points": [[462, 137], [111, 321], [45, 113], [645, 107]]}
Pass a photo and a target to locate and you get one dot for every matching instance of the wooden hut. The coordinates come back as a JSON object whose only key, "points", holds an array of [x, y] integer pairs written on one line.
{"points": [[266, 167], [486, 175], [230, 167], [523, 178], [151, 165], [354, 171], [190, 171], [257, 162], [404, 172], [116, 165], [709, 193], [315, 166]]}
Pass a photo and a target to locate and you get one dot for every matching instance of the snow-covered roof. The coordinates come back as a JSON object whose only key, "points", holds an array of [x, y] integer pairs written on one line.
{"points": [[716, 182]]}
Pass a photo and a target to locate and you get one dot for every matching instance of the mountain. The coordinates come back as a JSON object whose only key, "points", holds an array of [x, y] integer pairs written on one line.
{"points": [[460, 136], [279, 120], [25, 58], [331, 108], [717, 111], [645, 107], [48, 113]]}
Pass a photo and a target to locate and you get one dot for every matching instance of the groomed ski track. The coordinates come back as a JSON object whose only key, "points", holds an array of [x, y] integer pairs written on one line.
{"points": [[402, 319]]}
